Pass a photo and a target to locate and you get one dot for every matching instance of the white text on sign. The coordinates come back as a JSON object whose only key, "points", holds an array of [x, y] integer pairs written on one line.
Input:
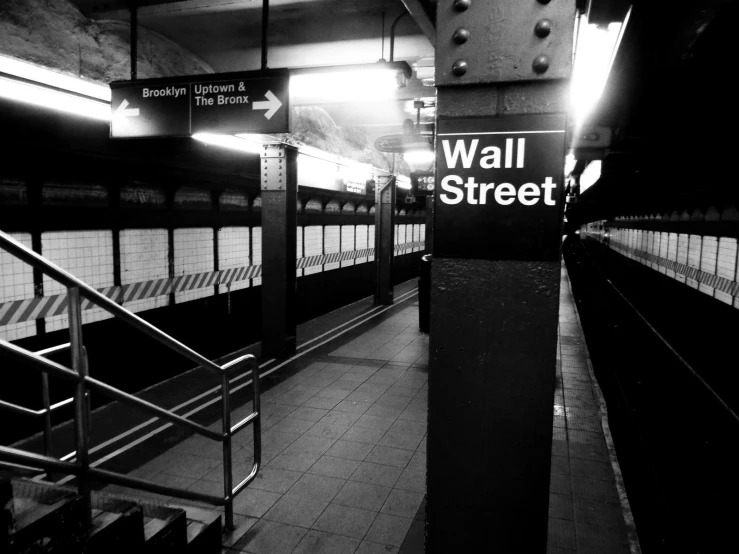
{"points": [[221, 95], [491, 158]]}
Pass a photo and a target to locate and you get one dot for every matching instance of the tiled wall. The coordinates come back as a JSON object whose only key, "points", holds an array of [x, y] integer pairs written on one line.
{"points": [[331, 244], [193, 253], [715, 256], [348, 241], [233, 251], [16, 283], [88, 255], [145, 257], [313, 246], [256, 251], [363, 242]]}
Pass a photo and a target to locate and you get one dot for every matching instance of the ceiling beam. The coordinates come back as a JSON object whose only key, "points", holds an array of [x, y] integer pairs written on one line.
{"points": [[417, 11], [119, 9]]}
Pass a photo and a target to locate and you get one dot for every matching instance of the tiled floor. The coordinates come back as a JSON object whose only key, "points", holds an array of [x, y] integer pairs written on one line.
{"points": [[586, 512], [344, 450]]}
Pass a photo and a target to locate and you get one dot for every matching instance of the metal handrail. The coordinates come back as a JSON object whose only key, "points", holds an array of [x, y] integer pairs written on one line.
{"points": [[78, 374], [70, 281]]}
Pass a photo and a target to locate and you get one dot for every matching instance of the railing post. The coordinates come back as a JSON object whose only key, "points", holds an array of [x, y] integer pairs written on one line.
{"points": [[45, 398], [257, 408], [227, 465], [80, 401]]}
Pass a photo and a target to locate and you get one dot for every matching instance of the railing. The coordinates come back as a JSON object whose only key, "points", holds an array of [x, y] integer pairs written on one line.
{"points": [[78, 374]]}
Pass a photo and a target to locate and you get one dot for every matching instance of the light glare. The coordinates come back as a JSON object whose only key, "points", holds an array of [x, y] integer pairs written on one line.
{"points": [[595, 51], [590, 175], [349, 86], [32, 72], [55, 100], [229, 141], [419, 157]]}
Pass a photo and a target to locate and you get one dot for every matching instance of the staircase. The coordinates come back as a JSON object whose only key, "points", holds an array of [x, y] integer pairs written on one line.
{"points": [[43, 518], [39, 517]]}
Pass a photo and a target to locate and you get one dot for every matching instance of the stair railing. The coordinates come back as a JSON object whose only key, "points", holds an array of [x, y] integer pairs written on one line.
{"points": [[78, 374]]}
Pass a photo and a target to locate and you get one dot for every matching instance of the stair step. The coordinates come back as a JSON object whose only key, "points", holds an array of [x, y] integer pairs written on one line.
{"points": [[203, 530], [118, 526], [164, 527], [46, 519]]}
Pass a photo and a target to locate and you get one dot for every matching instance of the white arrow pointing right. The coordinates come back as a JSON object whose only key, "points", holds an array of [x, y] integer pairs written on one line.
{"points": [[125, 111], [272, 104]]}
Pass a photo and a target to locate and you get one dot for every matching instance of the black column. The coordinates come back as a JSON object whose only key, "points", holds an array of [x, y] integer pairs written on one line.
{"points": [[501, 72], [279, 244], [384, 239]]}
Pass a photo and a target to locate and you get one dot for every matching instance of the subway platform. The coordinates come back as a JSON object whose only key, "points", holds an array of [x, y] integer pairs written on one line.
{"points": [[344, 444]]}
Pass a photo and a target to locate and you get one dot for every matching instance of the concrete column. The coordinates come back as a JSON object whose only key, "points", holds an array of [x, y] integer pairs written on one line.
{"points": [[279, 230], [502, 71], [384, 239]]}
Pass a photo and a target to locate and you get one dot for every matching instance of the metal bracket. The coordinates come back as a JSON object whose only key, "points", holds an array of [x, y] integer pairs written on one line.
{"points": [[274, 167]]}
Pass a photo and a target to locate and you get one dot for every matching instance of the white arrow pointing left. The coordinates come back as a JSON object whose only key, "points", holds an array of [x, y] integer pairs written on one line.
{"points": [[272, 104], [125, 111]]}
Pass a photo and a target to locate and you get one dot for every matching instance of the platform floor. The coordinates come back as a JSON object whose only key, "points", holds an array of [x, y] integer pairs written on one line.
{"points": [[344, 447]]}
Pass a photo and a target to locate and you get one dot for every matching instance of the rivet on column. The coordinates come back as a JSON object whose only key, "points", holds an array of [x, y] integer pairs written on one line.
{"points": [[461, 35], [543, 28], [461, 5], [459, 68], [541, 64]]}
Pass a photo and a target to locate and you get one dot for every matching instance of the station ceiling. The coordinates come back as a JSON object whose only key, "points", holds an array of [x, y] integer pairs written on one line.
{"points": [[227, 34], [670, 99]]}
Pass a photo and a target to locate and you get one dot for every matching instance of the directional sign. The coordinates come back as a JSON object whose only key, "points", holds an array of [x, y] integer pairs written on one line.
{"points": [[227, 103], [499, 187]]}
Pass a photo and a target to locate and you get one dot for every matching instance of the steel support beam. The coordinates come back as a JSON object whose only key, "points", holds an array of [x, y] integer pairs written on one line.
{"points": [[384, 239], [279, 242], [494, 299], [423, 21]]}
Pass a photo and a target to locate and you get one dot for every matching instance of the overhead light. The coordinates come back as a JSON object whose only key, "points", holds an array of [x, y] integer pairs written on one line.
{"points": [[418, 158], [403, 182], [44, 76], [349, 83], [229, 141], [596, 50], [54, 99], [590, 175], [31, 84]]}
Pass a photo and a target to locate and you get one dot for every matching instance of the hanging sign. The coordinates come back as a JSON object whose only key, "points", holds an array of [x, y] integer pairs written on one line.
{"points": [[499, 187], [227, 103]]}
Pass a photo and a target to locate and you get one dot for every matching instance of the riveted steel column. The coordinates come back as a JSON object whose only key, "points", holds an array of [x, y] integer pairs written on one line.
{"points": [[384, 239], [279, 174], [494, 300]]}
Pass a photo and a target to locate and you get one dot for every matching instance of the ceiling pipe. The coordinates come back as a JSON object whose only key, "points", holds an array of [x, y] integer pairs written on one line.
{"points": [[392, 34], [265, 30]]}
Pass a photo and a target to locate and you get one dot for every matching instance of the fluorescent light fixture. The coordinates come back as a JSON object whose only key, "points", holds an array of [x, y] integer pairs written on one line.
{"points": [[229, 141], [418, 158], [590, 175], [596, 51], [570, 163], [360, 83], [32, 84], [54, 99], [403, 182], [45, 76]]}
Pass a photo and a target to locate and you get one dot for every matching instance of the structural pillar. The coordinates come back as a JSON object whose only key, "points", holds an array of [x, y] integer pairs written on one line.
{"points": [[279, 174], [502, 72], [384, 239]]}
